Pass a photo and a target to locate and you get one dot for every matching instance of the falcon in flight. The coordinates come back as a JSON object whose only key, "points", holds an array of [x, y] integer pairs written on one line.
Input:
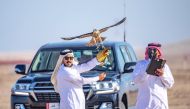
{"points": [[96, 35]]}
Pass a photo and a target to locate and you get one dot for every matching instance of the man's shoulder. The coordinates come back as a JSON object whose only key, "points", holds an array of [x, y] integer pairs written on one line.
{"points": [[166, 66], [142, 61]]}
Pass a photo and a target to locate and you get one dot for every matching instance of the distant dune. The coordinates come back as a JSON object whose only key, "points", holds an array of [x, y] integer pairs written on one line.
{"points": [[16, 57], [178, 54], [179, 48]]}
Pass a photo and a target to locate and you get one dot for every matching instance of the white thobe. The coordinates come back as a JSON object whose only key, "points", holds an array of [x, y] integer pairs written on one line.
{"points": [[152, 90], [69, 84]]}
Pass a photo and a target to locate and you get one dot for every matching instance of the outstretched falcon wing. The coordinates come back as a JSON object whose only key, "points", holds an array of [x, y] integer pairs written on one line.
{"points": [[90, 34], [118, 23], [81, 36]]}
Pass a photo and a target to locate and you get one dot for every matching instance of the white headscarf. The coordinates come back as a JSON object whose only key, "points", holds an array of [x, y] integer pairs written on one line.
{"points": [[58, 65], [54, 74]]}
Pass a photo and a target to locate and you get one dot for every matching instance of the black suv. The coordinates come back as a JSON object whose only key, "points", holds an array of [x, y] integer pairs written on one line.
{"points": [[35, 91]]}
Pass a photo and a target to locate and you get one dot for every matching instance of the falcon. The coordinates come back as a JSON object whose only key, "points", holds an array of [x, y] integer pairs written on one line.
{"points": [[96, 38]]}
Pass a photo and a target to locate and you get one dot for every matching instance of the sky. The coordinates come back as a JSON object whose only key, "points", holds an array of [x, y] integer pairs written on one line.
{"points": [[25, 25]]}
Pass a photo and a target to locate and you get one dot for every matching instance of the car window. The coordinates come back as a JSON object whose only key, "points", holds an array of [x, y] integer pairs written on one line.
{"points": [[132, 54], [46, 60], [83, 56], [125, 53]]}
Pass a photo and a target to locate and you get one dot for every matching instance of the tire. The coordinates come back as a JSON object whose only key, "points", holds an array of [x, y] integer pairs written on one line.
{"points": [[124, 100]]}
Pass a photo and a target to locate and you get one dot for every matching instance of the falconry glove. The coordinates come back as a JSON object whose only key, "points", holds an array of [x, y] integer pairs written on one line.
{"points": [[101, 56]]}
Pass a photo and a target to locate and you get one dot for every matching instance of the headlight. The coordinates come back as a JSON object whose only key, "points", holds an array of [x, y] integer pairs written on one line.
{"points": [[21, 89], [105, 87], [22, 86]]}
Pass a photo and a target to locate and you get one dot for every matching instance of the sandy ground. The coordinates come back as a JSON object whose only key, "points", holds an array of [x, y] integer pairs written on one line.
{"points": [[179, 94], [7, 79]]}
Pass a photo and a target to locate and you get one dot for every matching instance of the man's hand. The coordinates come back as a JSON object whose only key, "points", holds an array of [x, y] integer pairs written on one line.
{"points": [[102, 76], [159, 72], [101, 56]]}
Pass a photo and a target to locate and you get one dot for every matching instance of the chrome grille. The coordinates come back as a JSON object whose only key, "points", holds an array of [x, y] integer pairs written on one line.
{"points": [[44, 86], [44, 92], [48, 96]]}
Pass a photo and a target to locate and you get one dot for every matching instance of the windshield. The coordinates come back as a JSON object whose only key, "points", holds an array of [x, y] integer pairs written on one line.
{"points": [[45, 60]]}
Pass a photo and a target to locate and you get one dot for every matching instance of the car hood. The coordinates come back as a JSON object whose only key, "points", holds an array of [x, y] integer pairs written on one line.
{"points": [[45, 77]]}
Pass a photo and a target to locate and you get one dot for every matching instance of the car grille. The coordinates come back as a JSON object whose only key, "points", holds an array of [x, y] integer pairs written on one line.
{"points": [[44, 86], [44, 92], [48, 97]]}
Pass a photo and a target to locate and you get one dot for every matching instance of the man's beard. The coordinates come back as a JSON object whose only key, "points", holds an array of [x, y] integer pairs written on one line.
{"points": [[68, 64]]}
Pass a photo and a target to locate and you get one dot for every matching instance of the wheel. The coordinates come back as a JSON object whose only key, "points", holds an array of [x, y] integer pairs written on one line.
{"points": [[124, 100]]}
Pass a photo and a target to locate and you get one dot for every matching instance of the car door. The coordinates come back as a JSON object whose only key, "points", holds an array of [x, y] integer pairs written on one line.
{"points": [[126, 78]]}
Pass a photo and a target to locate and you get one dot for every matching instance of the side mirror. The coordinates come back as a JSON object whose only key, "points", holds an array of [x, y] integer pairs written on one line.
{"points": [[20, 69], [129, 67]]}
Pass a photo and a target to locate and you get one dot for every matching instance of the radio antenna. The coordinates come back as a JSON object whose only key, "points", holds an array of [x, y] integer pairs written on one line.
{"points": [[124, 14]]}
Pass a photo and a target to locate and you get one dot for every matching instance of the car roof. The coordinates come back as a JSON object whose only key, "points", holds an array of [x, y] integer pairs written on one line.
{"points": [[75, 44]]}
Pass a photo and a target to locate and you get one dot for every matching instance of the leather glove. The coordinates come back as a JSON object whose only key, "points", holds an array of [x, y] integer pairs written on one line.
{"points": [[102, 76], [101, 56]]}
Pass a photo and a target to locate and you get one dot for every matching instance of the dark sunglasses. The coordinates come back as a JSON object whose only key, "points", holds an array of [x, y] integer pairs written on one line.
{"points": [[67, 58], [152, 50]]}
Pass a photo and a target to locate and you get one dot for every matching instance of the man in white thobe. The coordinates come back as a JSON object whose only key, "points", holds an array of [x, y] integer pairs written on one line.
{"points": [[152, 90], [68, 82]]}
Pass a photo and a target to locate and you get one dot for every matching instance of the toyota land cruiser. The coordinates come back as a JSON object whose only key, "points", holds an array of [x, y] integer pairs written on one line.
{"points": [[35, 91]]}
